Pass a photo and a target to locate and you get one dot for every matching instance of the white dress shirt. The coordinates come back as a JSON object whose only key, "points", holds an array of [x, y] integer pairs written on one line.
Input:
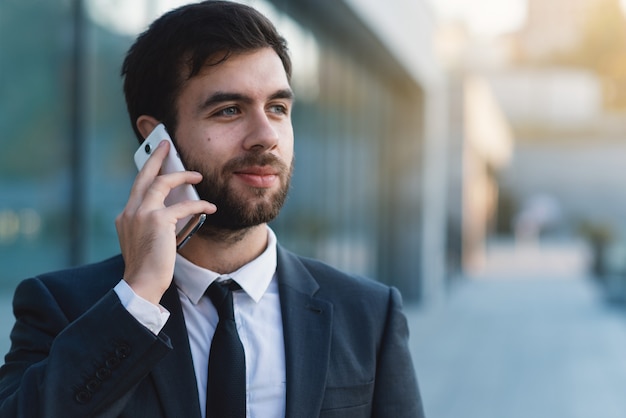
{"points": [[258, 319]]}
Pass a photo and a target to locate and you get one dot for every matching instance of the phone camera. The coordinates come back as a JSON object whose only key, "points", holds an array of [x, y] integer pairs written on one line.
{"points": [[148, 149]]}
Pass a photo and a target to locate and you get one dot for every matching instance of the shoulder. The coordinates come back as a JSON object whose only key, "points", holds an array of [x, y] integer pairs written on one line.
{"points": [[339, 279], [100, 274], [340, 286], [80, 286]]}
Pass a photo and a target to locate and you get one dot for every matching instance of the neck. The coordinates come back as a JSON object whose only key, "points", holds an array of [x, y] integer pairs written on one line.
{"points": [[226, 251]]}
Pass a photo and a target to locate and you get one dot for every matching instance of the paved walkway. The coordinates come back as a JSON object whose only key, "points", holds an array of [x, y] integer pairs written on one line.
{"points": [[539, 347]]}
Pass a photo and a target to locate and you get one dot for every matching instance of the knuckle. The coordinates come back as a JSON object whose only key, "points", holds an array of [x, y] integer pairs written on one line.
{"points": [[123, 217], [149, 216], [143, 213], [119, 221], [160, 181]]}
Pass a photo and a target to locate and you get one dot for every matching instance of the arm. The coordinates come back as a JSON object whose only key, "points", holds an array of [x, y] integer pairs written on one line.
{"points": [[396, 393], [64, 366], [58, 368]]}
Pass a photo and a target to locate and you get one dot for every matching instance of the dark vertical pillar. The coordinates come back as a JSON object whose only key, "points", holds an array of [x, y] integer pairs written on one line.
{"points": [[78, 204]]}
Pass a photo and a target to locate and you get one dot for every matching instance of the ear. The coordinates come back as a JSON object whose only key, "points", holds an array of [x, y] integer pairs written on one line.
{"points": [[146, 124]]}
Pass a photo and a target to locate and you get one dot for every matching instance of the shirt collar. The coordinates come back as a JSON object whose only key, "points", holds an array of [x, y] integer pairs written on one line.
{"points": [[254, 277]]}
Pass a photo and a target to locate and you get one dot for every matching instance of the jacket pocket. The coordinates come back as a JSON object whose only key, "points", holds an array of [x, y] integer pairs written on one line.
{"points": [[348, 401]]}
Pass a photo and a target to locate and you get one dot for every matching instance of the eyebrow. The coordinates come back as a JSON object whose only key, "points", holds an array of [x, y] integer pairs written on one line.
{"points": [[222, 96], [283, 94]]}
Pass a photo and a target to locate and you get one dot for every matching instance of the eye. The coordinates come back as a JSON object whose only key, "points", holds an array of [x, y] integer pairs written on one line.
{"points": [[279, 109], [228, 111]]}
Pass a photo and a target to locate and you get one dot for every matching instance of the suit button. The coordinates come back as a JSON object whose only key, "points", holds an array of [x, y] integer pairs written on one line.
{"points": [[122, 351], [112, 362], [92, 385], [82, 396], [103, 373]]}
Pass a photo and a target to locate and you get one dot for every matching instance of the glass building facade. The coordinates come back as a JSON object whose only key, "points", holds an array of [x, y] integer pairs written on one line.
{"points": [[66, 161]]}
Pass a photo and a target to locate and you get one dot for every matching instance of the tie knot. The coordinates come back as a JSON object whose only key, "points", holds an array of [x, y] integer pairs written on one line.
{"points": [[221, 295]]}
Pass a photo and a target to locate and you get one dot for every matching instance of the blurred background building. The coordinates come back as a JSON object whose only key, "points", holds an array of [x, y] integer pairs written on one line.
{"points": [[418, 141], [557, 80]]}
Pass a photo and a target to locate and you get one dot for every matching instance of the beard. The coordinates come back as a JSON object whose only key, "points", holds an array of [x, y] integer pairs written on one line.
{"points": [[237, 210]]}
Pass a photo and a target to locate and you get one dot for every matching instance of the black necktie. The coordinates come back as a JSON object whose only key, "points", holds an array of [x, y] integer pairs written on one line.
{"points": [[226, 388]]}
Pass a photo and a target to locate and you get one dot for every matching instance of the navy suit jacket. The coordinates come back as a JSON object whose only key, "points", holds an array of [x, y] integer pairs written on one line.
{"points": [[76, 351]]}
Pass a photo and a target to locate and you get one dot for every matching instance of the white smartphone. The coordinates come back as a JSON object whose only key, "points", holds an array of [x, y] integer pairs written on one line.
{"points": [[188, 226]]}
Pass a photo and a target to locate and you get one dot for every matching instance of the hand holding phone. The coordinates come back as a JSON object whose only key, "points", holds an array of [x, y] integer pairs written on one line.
{"points": [[185, 227]]}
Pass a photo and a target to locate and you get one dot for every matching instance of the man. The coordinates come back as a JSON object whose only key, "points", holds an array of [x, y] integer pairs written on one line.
{"points": [[317, 342]]}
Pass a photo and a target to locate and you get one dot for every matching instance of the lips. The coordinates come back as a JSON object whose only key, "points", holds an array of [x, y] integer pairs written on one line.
{"points": [[258, 176]]}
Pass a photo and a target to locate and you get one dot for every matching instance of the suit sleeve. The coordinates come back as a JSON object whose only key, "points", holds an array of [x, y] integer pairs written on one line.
{"points": [[85, 367], [396, 392]]}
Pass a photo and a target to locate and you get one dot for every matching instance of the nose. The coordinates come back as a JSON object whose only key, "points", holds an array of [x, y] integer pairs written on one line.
{"points": [[263, 132]]}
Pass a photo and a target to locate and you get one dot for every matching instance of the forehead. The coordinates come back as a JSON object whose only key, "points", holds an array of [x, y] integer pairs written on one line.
{"points": [[259, 71]]}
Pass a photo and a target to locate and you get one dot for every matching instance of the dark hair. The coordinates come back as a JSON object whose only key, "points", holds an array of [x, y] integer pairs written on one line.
{"points": [[180, 43]]}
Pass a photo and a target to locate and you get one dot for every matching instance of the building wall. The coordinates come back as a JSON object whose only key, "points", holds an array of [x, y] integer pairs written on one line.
{"points": [[583, 176], [361, 145], [549, 97], [553, 26]]}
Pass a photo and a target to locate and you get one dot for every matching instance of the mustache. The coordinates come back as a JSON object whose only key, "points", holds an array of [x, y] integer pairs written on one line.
{"points": [[255, 159]]}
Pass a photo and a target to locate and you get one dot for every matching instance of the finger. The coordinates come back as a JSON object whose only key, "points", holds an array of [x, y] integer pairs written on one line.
{"points": [[147, 174], [153, 165], [155, 195], [188, 208]]}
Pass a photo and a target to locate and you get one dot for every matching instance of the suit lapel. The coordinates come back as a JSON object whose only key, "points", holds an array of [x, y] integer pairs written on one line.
{"points": [[174, 376], [307, 327], [307, 332]]}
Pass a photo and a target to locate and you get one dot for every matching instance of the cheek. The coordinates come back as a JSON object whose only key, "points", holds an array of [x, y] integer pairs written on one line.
{"points": [[287, 139]]}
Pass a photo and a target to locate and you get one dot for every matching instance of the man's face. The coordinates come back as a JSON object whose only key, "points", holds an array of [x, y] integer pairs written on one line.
{"points": [[234, 127]]}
